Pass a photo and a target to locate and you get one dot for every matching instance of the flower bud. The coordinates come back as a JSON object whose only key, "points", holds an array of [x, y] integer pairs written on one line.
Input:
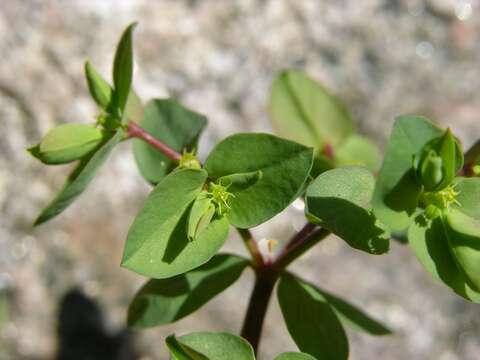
{"points": [[438, 162]]}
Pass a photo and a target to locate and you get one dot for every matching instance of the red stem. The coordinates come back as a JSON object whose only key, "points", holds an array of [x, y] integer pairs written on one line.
{"points": [[134, 130]]}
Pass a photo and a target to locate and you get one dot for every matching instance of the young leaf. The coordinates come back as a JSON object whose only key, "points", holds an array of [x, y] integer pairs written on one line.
{"points": [[167, 300], [157, 244], [302, 110], [284, 167], [294, 356], [351, 316], [339, 200], [463, 234], [311, 321], [430, 245], [79, 179], [358, 150], [100, 89], [200, 216], [123, 68], [219, 346], [67, 143], [397, 190], [133, 109], [180, 351], [173, 124]]}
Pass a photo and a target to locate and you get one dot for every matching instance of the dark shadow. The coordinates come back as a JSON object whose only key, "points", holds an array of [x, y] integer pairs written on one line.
{"points": [[439, 251], [354, 224], [82, 335], [404, 196], [178, 239]]}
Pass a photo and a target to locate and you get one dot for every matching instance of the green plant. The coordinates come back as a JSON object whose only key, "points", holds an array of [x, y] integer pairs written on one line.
{"points": [[423, 191]]}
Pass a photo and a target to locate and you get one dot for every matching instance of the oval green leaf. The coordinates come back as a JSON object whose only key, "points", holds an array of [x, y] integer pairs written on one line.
{"points": [[163, 301], [284, 167], [123, 68], [463, 234], [219, 346], [100, 89], [304, 111], [397, 190], [67, 143], [430, 245], [311, 321], [157, 244], [79, 179], [174, 125], [339, 200]]}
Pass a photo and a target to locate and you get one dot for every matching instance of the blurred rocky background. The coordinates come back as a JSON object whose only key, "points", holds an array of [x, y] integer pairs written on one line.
{"points": [[383, 57]]}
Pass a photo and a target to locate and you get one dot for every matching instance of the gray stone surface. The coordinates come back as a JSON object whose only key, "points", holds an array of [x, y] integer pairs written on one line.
{"points": [[383, 57]]}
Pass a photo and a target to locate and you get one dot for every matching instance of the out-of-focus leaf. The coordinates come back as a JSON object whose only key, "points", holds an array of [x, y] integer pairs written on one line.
{"points": [[302, 110]]}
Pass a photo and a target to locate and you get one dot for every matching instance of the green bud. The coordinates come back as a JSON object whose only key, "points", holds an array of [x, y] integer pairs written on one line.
{"points": [[189, 160], [66, 143], [200, 216], [439, 161], [463, 233]]}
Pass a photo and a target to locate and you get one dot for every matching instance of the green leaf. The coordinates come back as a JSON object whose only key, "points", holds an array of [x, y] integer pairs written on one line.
{"points": [[397, 190], [358, 150], [463, 234], [219, 346], [174, 125], [100, 89], [468, 190], [303, 110], [429, 243], [284, 167], [311, 321], [79, 179], [339, 200], [353, 317], [67, 143], [294, 356], [123, 68], [180, 351], [167, 300], [157, 244]]}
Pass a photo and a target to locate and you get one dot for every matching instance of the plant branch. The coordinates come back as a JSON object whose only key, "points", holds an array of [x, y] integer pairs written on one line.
{"points": [[135, 130], [301, 242], [252, 247], [257, 306]]}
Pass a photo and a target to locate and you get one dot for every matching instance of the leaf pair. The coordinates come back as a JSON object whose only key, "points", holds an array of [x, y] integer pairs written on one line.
{"points": [[249, 178], [87, 143], [315, 319], [340, 200], [218, 346], [303, 110]]}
